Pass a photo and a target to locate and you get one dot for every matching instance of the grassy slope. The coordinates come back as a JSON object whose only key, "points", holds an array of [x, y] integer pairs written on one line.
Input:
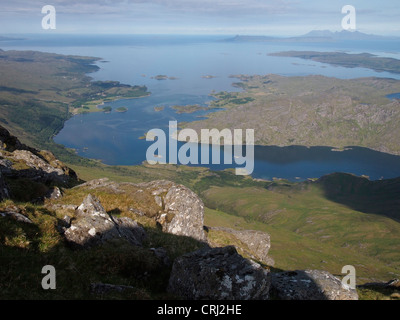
{"points": [[310, 231]]}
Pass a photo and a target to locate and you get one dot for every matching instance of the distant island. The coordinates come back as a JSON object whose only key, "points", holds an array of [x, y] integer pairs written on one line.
{"points": [[122, 109], [314, 36], [163, 77], [159, 108], [361, 60], [208, 77], [188, 108]]}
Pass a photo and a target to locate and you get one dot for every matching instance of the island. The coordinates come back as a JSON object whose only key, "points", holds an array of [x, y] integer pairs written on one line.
{"points": [[159, 108], [121, 109], [163, 77], [188, 108], [347, 60]]}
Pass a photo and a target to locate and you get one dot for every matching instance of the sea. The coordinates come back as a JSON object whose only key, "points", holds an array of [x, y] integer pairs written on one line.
{"points": [[197, 66]]}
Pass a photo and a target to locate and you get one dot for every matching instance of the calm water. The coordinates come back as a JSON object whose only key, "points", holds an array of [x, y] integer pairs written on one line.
{"points": [[114, 137]]}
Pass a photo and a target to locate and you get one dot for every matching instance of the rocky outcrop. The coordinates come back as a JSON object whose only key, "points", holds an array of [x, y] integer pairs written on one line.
{"points": [[93, 226], [177, 209], [310, 285], [254, 244], [40, 169], [18, 161], [218, 274]]}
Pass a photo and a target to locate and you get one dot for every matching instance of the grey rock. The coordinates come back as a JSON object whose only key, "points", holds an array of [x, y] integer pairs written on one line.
{"points": [[54, 194], [4, 192], [187, 211], [93, 226], [6, 166], [218, 274], [17, 216], [258, 243], [162, 255], [310, 285]]}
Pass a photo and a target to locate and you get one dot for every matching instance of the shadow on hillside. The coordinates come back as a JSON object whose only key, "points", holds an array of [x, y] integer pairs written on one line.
{"points": [[26, 248], [136, 271], [380, 197]]}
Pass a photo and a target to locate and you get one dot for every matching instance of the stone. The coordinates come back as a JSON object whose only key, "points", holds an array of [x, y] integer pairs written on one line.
{"points": [[54, 194], [93, 226], [256, 244], [218, 274], [186, 210], [310, 285], [16, 216], [162, 255]]}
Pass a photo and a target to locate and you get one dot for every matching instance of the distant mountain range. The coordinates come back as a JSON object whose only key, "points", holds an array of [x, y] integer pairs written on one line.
{"points": [[314, 36]]}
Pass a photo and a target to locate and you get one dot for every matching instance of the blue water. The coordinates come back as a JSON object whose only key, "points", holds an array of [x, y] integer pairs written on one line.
{"points": [[133, 59]]}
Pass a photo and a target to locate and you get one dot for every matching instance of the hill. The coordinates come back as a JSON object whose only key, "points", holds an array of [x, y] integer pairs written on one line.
{"points": [[314, 36]]}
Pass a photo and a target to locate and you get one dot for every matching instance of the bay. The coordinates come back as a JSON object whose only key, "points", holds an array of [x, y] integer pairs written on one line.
{"points": [[200, 65]]}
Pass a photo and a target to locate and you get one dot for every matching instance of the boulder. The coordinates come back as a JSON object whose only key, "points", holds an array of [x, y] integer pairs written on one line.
{"points": [[54, 193], [256, 244], [218, 274], [16, 216], [177, 209], [186, 210], [93, 226], [310, 285]]}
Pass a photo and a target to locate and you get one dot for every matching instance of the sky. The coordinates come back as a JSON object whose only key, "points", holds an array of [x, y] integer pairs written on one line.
{"points": [[245, 17]]}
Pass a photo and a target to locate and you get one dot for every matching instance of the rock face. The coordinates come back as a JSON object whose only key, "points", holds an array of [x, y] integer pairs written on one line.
{"points": [[4, 193], [220, 274], [93, 226], [255, 244], [310, 285], [176, 208]]}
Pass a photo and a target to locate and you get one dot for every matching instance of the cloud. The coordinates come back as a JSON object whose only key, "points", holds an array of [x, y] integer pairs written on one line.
{"points": [[195, 15]]}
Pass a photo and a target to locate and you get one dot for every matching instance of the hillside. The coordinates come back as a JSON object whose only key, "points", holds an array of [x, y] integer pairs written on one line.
{"points": [[39, 91]]}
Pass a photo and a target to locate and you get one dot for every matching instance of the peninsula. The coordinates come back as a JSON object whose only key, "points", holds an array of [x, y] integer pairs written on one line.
{"points": [[311, 111], [361, 60]]}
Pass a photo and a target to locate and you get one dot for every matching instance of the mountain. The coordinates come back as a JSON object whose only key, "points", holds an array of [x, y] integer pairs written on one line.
{"points": [[313, 36]]}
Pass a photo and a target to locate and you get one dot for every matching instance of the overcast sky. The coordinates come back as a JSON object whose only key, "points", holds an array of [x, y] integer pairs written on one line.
{"points": [[263, 17]]}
